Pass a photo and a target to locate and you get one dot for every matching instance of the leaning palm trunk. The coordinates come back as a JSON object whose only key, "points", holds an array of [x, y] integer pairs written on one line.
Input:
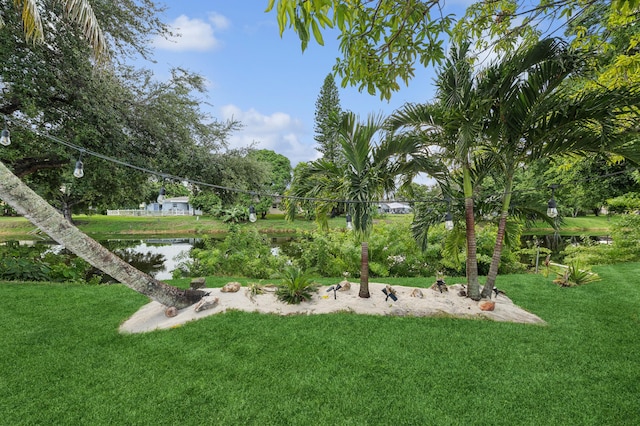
{"points": [[364, 271], [497, 250], [473, 287], [30, 205]]}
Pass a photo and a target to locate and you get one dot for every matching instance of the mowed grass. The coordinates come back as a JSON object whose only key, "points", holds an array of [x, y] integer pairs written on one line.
{"points": [[583, 225], [104, 227], [62, 361]]}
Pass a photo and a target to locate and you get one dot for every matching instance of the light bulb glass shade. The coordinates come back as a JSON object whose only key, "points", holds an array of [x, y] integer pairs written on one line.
{"points": [[349, 222], [5, 137], [552, 211], [252, 214], [161, 193], [448, 222], [79, 170]]}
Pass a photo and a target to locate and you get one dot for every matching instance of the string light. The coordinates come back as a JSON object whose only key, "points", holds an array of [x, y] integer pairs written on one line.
{"points": [[164, 176], [161, 195], [79, 170], [5, 136], [448, 221], [552, 210], [448, 218]]}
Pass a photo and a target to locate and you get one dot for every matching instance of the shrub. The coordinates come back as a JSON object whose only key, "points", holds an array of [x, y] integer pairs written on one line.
{"points": [[39, 263], [244, 252], [296, 286], [329, 253], [573, 275], [625, 234]]}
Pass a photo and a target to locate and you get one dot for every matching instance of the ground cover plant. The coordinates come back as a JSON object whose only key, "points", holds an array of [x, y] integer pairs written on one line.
{"points": [[62, 361]]}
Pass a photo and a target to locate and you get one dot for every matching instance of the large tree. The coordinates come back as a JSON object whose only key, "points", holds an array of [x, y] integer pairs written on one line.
{"points": [[327, 105], [60, 49], [382, 41]]}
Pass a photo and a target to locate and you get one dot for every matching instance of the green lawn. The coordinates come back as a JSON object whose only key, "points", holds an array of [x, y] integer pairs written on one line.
{"points": [[63, 362], [104, 227], [585, 225]]}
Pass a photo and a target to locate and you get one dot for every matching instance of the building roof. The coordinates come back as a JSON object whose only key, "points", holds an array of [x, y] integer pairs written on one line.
{"points": [[176, 200]]}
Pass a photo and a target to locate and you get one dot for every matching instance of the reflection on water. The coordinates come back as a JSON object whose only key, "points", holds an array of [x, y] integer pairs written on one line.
{"points": [[157, 257]]}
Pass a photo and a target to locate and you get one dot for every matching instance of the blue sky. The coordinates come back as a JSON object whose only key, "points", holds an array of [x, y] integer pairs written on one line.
{"points": [[261, 79]]}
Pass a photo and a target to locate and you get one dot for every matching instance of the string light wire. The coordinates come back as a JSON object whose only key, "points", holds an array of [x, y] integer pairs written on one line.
{"points": [[84, 151]]}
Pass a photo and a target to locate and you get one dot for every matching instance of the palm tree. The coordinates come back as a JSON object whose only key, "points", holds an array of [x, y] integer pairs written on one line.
{"points": [[521, 85], [79, 11], [366, 175], [532, 117], [453, 123]]}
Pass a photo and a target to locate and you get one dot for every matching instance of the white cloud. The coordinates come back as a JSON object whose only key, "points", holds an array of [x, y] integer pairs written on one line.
{"points": [[193, 34], [278, 132], [220, 22]]}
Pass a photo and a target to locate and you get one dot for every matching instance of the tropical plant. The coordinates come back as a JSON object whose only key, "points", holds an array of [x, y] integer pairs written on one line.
{"points": [[78, 11], [366, 175], [244, 252], [537, 115], [574, 275], [235, 214], [453, 123], [297, 286]]}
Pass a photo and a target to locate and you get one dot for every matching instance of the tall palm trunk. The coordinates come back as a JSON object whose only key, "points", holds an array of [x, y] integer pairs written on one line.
{"points": [[497, 249], [364, 271], [473, 287], [30, 205]]}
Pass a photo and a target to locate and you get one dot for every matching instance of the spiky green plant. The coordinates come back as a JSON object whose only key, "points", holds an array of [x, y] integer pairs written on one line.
{"points": [[574, 275], [297, 286]]}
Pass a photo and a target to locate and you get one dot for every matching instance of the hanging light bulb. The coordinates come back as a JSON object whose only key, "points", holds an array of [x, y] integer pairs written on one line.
{"points": [[79, 170], [448, 217], [252, 214], [5, 136], [161, 194], [552, 208], [349, 223], [448, 221]]}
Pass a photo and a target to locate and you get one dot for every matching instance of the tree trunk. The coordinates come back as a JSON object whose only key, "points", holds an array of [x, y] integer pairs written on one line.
{"points": [[30, 205], [364, 271], [473, 287], [497, 249]]}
